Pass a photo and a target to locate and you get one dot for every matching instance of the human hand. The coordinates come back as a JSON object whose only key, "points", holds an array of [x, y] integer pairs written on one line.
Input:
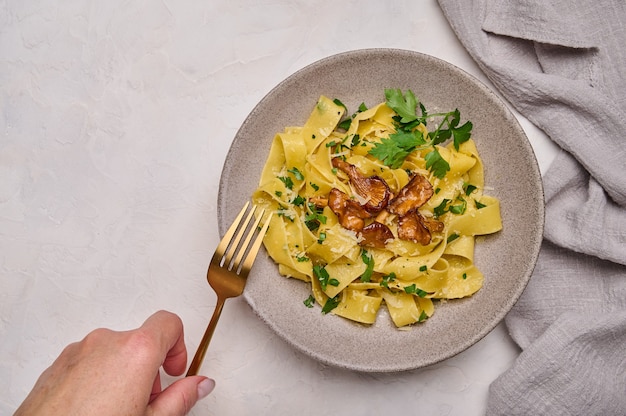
{"points": [[117, 373]]}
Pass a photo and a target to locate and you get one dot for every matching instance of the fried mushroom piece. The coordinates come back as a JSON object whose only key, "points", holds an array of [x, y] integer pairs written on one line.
{"points": [[351, 214], [411, 227], [412, 196], [372, 189], [375, 235], [414, 227]]}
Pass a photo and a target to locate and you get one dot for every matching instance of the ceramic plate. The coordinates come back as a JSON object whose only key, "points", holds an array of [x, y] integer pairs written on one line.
{"points": [[506, 258]]}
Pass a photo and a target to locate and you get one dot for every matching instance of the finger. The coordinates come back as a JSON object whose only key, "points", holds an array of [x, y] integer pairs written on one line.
{"points": [[156, 387], [181, 396], [168, 328]]}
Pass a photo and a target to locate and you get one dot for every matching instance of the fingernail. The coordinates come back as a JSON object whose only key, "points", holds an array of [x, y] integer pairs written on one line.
{"points": [[205, 387]]}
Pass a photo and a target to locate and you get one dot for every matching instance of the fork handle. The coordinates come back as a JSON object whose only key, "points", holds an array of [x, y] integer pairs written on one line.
{"points": [[206, 338]]}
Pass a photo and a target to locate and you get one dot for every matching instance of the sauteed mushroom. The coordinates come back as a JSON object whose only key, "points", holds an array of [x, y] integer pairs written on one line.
{"points": [[411, 227], [350, 213], [412, 196], [373, 189], [375, 235]]}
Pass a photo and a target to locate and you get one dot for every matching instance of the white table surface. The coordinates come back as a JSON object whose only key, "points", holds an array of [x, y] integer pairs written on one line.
{"points": [[116, 117]]}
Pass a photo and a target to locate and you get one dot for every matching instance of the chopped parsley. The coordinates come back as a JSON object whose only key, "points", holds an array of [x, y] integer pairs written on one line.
{"points": [[441, 209], [452, 237], [287, 181], [338, 102], [423, 316], [283, 212], [468, 188], [322, 276], [369, 262], [460, 208], [296, 174], [309, 302], [302, 259], [298, 201], [388, 279], [314, 218], [321, 238], [330, 304], [444, 207], [414, 290], [345, 124]]}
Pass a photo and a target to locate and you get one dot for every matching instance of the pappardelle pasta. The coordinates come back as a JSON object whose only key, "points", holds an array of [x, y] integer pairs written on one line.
{"points": [[375, 208]]}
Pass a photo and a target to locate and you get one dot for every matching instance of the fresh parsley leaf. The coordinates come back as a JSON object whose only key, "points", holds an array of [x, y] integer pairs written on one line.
{"points": [[439, 136], [309, 302], [404, 105], [321, 238], [397, 147], [369, 262], [462, 134], [314, 186], [479, 205], [296, 174], [436, 163], [423, 268], [330, 304]]}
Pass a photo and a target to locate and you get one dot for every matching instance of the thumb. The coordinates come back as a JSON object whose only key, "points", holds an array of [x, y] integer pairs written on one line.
{"points": [[181, 396]]}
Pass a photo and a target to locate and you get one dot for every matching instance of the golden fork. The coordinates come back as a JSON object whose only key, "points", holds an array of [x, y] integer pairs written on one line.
{"points": [[226, 276]]}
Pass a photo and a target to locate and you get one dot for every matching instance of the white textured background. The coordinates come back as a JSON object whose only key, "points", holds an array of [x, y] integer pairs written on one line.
{"points": [[116, 117]]}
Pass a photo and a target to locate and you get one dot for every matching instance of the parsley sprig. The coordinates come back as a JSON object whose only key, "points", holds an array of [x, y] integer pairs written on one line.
{"points": [[394, 150]]}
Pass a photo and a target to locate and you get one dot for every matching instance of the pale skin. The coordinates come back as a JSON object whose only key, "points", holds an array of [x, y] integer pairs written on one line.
{"points": [[118, 373]]}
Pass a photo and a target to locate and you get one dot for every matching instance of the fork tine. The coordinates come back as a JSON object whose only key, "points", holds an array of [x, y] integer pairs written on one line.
{"points": [[247, 264], [223, 244], [246, 243], [235, 242]]}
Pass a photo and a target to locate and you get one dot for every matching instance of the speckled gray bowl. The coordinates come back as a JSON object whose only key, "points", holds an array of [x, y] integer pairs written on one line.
{"points": [[506, 258]]}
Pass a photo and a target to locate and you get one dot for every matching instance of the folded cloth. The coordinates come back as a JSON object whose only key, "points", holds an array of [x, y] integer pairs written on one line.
{"points": [[562, 64]]}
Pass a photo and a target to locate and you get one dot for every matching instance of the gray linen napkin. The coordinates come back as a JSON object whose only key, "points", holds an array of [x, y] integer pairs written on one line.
{"points": [[562, 64]]}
